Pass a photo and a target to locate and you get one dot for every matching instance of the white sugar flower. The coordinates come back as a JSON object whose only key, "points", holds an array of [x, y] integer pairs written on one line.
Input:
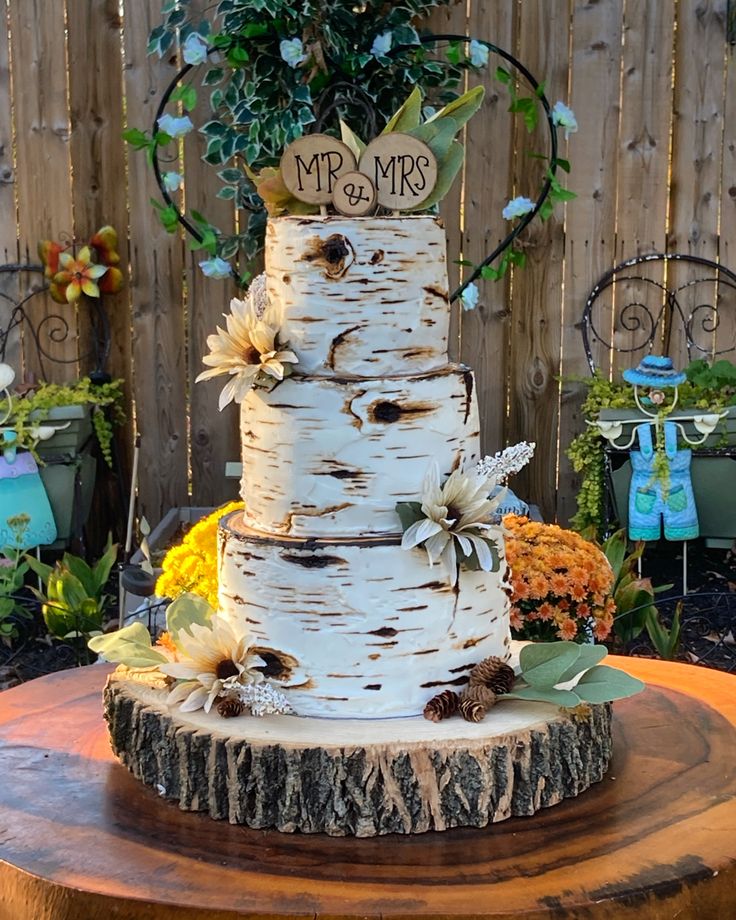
{"points": [[175, 127], [470, 297], [456, 516], [381, 44], [564, 117], [194, 49], [212, 659], [517, 207], [506, 462], [292, 51], [173, 181], [216, 268], [248, 350], [478, 53]]}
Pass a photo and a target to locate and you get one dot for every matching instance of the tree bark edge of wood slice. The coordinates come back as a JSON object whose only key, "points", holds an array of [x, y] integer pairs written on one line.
{"points": [[356, 789]]}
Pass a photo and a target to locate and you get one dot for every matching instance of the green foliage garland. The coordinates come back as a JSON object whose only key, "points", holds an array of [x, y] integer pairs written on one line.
{"points": [[33, 409]]}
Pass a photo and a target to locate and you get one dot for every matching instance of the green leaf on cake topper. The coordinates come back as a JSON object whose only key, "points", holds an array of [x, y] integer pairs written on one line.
{"points": [[130, 646]]}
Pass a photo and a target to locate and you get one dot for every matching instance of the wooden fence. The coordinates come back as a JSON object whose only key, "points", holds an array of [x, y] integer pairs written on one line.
{"points": [[652, 84]]}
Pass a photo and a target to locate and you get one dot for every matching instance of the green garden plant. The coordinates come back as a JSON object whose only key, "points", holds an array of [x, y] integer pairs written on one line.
{"points": [[73, 599], [32, 409], [13, 568]]}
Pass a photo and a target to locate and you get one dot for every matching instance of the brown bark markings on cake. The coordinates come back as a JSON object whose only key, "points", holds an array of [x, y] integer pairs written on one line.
{"points": [[337, 341], [364, 790], [334, 255]]}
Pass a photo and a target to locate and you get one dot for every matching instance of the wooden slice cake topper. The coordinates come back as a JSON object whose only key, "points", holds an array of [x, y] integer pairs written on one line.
{"points": [[311, 166], [354, 195], [402, 168]]}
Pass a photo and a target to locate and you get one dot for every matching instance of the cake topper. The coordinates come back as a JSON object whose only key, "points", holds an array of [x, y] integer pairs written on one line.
{"points": [[311, 166], [403, 170], [355, 195]]}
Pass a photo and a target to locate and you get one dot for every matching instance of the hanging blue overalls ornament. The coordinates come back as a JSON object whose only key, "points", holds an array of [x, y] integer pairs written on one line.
{"points": [[661, 490], [26, 518]]}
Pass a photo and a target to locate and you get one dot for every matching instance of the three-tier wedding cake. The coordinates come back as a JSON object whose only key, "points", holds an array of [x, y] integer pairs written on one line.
{"points": [[351, 625]]}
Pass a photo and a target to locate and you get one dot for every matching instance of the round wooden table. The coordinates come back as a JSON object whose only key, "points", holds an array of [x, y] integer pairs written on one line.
{"points": [[80, 839]]}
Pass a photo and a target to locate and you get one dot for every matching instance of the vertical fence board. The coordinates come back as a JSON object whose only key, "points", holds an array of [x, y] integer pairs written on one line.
{"points": [[37, 30], [726, 335], [159, 363], [696, 142], [452, 20], [590, 224], [97, 148], [535, 340], [642, 186], [8, 225], [487, 184], [214, 434]]}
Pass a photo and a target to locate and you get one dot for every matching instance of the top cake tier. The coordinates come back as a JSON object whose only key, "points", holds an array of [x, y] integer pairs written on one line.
{"points": [[363, 297]]}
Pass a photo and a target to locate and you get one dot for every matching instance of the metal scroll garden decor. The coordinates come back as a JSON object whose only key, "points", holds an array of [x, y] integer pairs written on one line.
{"points": [[340, 99]]}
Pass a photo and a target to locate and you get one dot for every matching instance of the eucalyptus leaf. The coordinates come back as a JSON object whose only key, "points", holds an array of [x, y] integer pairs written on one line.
{"points": [[589, 657], [130, 646], [567, 698], [603, 684], [447, 171], [544, 663], [438, 136], [186, 610]]}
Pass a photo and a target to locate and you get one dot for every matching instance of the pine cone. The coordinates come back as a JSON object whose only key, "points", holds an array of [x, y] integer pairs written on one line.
{"points": [[493, 672], [230, 707], [441, 706], [481, 694], [471, 710]]}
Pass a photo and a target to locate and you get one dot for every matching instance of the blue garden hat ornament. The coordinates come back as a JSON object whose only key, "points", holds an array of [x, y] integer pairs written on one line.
{"points": [[655, 371]]}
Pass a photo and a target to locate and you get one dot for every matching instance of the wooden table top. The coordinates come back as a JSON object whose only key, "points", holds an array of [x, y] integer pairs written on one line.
{"points": [[80, 838]]}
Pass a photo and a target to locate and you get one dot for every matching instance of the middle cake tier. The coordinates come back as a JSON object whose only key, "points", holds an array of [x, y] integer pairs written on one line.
{"points": [[324, 456]]}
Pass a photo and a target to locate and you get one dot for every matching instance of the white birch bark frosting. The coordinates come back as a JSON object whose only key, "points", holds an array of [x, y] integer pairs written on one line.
{"points": [[330, 457], [360, 296], [359, 628]]}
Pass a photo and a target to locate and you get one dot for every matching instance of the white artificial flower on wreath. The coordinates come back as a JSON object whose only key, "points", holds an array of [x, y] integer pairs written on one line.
{"points": [[381, 44], [7, 376], [478, 53], [470, 297], [247, 350], [216, 268], [175, 127], [456, 517], [517, 207], [173, 181], [194, 49], [564, 117], [212, 659], [292, 51]]}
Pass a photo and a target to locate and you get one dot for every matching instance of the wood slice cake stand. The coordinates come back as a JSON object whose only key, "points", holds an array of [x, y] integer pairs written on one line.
{"points": [[82, 839], [357, 777]]}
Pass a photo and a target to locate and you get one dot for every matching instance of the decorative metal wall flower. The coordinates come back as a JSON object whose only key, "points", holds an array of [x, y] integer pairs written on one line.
{"points": [[249, 351], [92, 271]]}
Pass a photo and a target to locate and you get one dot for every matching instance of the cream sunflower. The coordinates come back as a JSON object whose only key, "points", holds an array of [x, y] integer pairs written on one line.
{"points": [[455, 516], [212, 659], [248, 350]]}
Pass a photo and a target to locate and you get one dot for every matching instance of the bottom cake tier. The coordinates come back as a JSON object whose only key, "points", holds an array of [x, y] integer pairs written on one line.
{"points": [[359, 628]]}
